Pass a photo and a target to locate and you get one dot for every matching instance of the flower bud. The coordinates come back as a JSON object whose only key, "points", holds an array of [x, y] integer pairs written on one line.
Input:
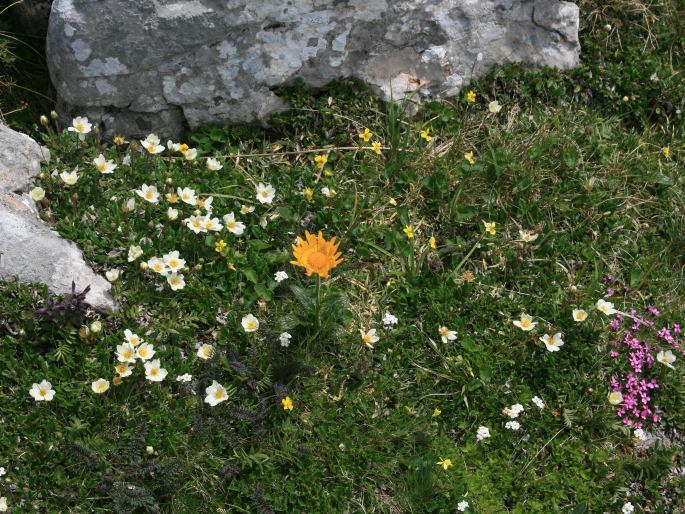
{"points": [[143, 265], [54, 115], [95, 327], [44, 121], [149, 450]]}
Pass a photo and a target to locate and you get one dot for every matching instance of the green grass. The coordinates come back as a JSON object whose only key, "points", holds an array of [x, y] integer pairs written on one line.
{"points": [[362, 436]]}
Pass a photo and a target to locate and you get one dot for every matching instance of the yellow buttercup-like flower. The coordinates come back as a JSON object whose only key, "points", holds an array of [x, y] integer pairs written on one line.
{"points": [[316, 255], [490, 227], [287, 403], [409, 230], [469, 157], [220, 245], [321, 160], [445, 463], [366, 135], [425, 134], [376, 147], [471, 97]]}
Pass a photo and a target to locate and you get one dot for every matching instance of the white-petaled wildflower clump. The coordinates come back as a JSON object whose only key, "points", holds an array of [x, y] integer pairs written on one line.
{"points": [[213, 164], [525, 322], [553, 343], [579, 315], [216, 393], [81, 126], [512, 425], [538, 402], [134, 252], [103, 165], [250, 323], [627, 508], [605, 307], [37, 194], [369, 338], [389, 320], [69, 177], [666, 358], [514, 411], [154, 372], [42, 392], [126, 353], [145, 351], [113, 275], [187, 195], [285, 338], [148, 193], [205, 351], [186, 377], [482, 433], [462, 506], [151, 144], [265, 193], [232, 225], [100, 386], [280, 276], [527, 236], [446, 334]]}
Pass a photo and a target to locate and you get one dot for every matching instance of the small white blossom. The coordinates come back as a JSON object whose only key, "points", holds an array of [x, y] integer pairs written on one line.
{"points": [[134, 252], [389, 320], [187, 377], [462, 505], [512, 425], [538, 401], [482, 433], [280, 276], [285, 338]]}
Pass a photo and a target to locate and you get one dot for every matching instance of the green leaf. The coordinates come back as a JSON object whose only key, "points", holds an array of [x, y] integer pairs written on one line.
{"points": [[250, 275]]}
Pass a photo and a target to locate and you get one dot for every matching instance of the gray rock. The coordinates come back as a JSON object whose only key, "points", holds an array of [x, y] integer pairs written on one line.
{"points": [[29, 251], [155, 65]]}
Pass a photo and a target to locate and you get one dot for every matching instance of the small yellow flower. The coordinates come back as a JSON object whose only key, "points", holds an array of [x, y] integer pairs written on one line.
{"points": [[432, 243], [445, 463], [471, 97], [220, 246], [468, 276], [308, 193], [366, 135], [666, 152], [490, 227], [436, 412], [376, 146], [321, 160], [287, 403], [392, 201], [469, 157], [171, 198], [425, 134], [327, 173], [409, 230], [183, 148], [119, 140]]}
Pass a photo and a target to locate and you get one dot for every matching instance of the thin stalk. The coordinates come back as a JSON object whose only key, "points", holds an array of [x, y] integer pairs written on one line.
{"points": [[318, 302]]}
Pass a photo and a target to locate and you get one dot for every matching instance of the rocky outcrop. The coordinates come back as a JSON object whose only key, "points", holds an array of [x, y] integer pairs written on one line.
{"points": [[29, 251], [157, 65]]}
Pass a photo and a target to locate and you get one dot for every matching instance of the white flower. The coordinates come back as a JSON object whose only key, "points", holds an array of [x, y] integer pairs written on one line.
{"points": [[4, 507], [206, 204], [538, 401], [513, 411], [134, 252], [462, 505], [2, 472], [113, 275], [213, 224], [187, 377], [244, 209], [265, 193], [494, 107], [100, 385], [151, 144], [553, 343], [482, 433], [512, 425], [526, 323], [190, 154], [148, 193], [446, 334], [37, 194], [173, 261], [627, 508], [213, 164], [527, 236], [328, 193], [126, 353], [173, 147], [579, 315], [216, 393], [250, 323], [103, 165], [233, 226], [42, 392], [69, 178], [369, 338], [81, 126], [205, 351], [639, 434], [615, 397], [176, 281], [389, 320], [196, 223], [158, 266], [153, 371], [606, 307], [280, 276], [285, 338], [126, 161], [130, 204], [131, 338], [263, 222], [666, 358], [145, 352], [123, 370], [187, 195]]}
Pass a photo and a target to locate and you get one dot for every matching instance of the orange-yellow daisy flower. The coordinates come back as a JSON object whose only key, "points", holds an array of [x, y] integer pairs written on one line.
{"points": [[316, 255]]}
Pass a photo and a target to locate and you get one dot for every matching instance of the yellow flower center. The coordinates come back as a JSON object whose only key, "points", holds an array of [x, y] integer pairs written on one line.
{"points": [[251, 325], [128, 354], [102, 167], [230, 225], [43, 392], [317, 260], [154, 371], [218, 395], [265, 194], [367, 338], [80, 127], [149, 195], [197, 223], [173, 263], [143, 352], [444, 331], [525, 323], [175, 281]]}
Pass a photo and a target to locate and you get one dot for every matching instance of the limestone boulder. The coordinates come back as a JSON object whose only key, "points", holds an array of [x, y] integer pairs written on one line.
{"points": [[161, 65], [29, 250]]}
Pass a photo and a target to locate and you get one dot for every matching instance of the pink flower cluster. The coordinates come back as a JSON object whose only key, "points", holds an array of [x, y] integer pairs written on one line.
{"points": [[635, 347]]}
